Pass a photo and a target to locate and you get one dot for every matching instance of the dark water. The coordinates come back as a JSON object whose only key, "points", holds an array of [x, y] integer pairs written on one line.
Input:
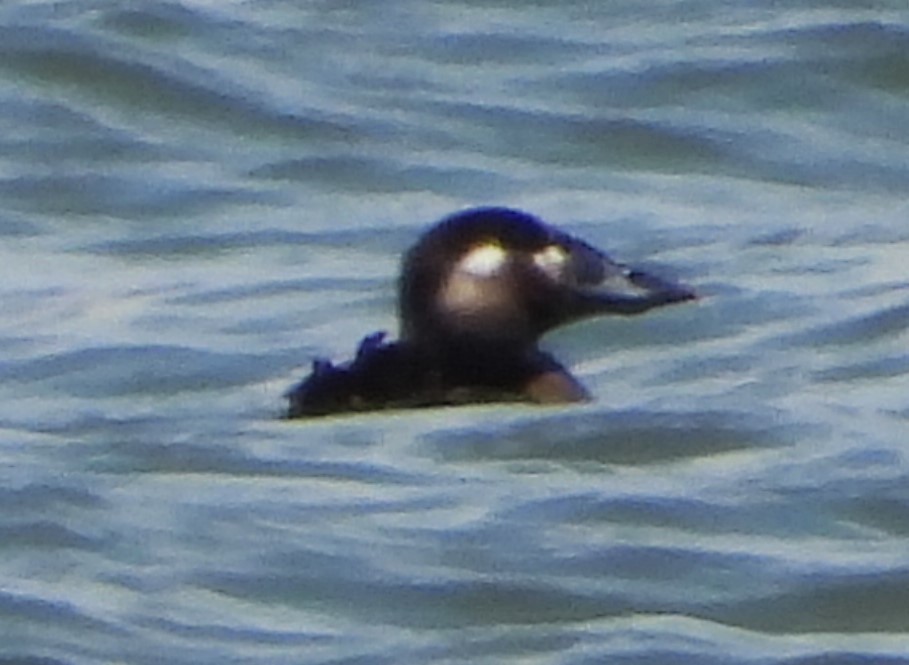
{"points": [[197, 198]]}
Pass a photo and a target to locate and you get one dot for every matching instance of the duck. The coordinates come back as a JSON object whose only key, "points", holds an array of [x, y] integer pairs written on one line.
{"points": [[476, 293]]}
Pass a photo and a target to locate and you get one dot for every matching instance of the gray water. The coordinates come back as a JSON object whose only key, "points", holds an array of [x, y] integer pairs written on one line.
{"points": [[198, 198]]}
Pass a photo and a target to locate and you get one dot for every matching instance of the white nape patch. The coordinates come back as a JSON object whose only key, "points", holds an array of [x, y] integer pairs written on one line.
{"points": [[551, 260], [483, 261], [474, 295]]}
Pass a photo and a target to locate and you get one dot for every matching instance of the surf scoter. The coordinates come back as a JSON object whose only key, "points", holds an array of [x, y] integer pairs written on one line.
{"points": [[475, 295]]}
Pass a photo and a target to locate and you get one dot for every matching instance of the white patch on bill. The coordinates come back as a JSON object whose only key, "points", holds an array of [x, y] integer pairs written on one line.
{"points": [[483, 261], [552, 260]]}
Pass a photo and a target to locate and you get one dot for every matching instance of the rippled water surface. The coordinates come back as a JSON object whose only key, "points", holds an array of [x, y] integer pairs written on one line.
{"points": [[198, 198]]}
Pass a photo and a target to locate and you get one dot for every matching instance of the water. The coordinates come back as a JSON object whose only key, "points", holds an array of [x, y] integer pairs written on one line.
{"points": [[197, 198]]}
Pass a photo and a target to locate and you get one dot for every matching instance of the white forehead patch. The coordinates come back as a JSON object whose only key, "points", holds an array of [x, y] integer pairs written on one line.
{"points": [[551, 260], [483, 261]]}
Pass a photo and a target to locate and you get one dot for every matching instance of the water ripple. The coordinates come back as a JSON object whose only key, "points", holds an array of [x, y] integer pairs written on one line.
{"points": [[197, 199]]}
